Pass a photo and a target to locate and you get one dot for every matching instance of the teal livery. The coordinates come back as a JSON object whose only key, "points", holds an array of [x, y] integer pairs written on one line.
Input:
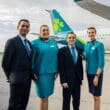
{"points": [[61, 27]]}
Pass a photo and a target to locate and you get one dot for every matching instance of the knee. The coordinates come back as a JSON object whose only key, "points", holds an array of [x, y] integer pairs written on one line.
{"points": [[96, 98]]}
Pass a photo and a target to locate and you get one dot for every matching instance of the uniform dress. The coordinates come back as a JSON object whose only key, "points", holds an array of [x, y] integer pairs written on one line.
{"points": [[94, 54], [45, 65]]}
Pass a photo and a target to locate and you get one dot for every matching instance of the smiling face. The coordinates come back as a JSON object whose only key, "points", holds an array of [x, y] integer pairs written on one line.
{"points": [[71, 38], [23, 28], [91, 32], [44, 31]]}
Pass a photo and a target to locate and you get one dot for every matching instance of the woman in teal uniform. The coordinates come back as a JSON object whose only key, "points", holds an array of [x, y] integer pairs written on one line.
{"points": [[45, 65], [94, 54]]}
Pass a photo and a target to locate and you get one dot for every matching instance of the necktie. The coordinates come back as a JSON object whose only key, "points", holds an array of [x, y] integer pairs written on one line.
{"points": [[73, 54], [27, 46]]}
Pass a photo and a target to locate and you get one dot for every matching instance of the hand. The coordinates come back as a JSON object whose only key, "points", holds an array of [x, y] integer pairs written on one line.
{"points": [[95, 80], [65, 85]]}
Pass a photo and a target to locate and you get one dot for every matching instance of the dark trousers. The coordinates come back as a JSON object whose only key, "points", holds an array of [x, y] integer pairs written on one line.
{"points": [[19, 95], [74, 91]]}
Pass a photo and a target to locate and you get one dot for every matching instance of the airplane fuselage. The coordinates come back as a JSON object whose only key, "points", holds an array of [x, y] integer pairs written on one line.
{"points": [[103, 35]]}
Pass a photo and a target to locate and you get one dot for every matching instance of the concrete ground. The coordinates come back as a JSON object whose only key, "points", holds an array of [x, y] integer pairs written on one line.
{"points": [[55, 101]]}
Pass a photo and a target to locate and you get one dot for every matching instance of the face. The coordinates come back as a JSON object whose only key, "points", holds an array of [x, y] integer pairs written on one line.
{"points": [[23, 28], [91, 34], [44, 32], [71, 38]]}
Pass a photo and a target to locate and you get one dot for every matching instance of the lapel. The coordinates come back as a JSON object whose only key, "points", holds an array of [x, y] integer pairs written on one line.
{"points": [[78, 55], [22, 46], [31, 53]]}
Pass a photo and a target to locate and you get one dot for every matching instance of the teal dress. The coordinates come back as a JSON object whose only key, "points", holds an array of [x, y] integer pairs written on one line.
{"points": [[45, 65]]}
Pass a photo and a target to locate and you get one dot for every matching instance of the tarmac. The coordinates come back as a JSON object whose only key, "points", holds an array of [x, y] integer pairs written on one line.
{"points": [[55, 101], [95, 8]]}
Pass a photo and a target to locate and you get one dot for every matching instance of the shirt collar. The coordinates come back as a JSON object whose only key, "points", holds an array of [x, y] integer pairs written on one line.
{"points": [[71, 46], [21, 37]]}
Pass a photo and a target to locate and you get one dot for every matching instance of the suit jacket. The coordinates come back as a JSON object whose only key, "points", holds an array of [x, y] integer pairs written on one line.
{"points": [[16, 62], [69, 71]]}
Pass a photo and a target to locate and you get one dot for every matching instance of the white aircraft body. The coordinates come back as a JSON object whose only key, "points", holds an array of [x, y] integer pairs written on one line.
{"points": [[103, 35]]}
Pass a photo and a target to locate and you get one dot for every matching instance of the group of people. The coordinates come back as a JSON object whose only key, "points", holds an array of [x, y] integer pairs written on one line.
{"points": [[42, 60]]}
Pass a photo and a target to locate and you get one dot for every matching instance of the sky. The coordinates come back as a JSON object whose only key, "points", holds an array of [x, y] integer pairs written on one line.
{"points": [[11, 11], [34, 10]]}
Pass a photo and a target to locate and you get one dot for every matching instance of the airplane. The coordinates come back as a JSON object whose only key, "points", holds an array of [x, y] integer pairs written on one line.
{"points": [[61, 28], [98, 7], [77, 0]]}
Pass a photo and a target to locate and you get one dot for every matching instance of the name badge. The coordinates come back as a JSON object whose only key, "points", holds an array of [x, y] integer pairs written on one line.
{"points": [[52, 46], [93, 48]]}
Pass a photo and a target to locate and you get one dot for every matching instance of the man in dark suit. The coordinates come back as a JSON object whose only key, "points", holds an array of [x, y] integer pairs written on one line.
{"points": [[17, 66], [71, 72]]}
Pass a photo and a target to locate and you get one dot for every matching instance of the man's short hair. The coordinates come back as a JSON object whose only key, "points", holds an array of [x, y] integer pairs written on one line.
{"points": [[25, 20], [70, 33]]}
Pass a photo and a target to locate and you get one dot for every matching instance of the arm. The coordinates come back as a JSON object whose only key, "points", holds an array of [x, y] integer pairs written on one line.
{"points": [[7, 57], [101, 53], [56, 74], [61, 67], [34, 57]]}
